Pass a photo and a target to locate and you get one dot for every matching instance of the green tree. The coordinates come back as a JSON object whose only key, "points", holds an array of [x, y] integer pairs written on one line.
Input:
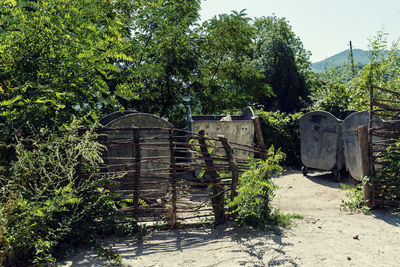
{"points": [[54, 56], [286, 64], [228, 77], [162, 48], [383, 70]]}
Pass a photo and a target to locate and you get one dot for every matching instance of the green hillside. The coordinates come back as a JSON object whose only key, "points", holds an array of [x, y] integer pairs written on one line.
{"points": [[359, 55]]}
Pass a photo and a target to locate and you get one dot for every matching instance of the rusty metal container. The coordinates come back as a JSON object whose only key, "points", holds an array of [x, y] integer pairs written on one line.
{"points": [[321, 142], [350, 141]]}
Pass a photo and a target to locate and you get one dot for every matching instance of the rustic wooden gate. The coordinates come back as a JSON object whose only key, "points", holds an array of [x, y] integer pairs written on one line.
{"points": [[385, 104], [171, 175]]}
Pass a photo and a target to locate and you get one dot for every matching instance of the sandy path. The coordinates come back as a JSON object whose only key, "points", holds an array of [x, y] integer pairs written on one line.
{"points": [[323, 238]]}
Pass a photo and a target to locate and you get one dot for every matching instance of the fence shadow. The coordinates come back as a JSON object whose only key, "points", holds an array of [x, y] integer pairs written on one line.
{"points": [[244, 245], [390, 217]]}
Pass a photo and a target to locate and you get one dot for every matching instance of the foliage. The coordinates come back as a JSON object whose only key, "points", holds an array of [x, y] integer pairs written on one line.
{"points": [[255, 192], [382, 71], [354, 199], [331, 97], [54, 56], [285, 220], [340, 90], [228, 76], [45, 206], [282, 131], [164, 56], [64, 58], [285, 63], [389, 179]]}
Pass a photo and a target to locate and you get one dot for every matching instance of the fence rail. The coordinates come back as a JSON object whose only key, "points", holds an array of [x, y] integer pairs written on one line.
{"points": [[384, 103], [172, 174]]}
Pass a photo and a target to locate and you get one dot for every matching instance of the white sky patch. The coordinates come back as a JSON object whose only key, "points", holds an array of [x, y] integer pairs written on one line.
{"points": [[324, 27]]}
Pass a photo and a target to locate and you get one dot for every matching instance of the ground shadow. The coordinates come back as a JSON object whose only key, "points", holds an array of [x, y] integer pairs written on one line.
{"points": [[390, 217], [257, 244], [328, 179]]}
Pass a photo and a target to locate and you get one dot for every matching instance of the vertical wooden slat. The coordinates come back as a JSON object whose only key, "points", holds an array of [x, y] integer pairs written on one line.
{"points": [[172, 180], [217, 198], [232, 164], [259, 137], [136, 142], [370, 125], [365, 163]]}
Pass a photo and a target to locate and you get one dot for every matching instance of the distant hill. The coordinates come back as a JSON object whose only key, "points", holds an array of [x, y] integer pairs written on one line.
{"points": [[359, 56]]}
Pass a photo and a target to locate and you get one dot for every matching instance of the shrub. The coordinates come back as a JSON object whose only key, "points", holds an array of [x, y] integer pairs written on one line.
{"points": [[282, 131], [255, 191], [333, 98], [354, 199], [45, 205]]}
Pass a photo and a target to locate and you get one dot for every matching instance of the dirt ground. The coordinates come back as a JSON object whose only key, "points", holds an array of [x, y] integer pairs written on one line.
{"points": [[326, 236]]}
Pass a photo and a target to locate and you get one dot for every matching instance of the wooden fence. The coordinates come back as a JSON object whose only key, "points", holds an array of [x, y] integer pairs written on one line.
{"points": [[386, 187], [171, 175]]}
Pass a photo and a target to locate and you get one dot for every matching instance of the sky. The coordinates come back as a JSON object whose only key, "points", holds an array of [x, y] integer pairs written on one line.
{"points": [[324, 26]]}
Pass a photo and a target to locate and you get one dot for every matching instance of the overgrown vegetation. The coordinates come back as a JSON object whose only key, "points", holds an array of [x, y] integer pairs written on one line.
{"points": [[281, 130], [252, 205], [65, 59], [354, 200], [342, 90], [45, 207]]}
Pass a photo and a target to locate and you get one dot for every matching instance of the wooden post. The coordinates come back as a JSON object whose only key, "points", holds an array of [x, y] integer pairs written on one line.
{"points": [[365, 163], [217, 198], [172, 176], [136, 143], [370, 124], [232, 165], [352, 59], [259, 136]]}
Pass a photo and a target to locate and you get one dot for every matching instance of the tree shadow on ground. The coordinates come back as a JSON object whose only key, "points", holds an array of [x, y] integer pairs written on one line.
{"points": [[258, 244], [261, 247]]}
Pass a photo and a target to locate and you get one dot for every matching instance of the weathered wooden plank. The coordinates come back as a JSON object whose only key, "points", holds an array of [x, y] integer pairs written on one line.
{"points": [[217, 202], [232, 164]]}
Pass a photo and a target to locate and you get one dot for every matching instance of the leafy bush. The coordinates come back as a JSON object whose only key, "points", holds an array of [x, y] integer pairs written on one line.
{"points": [[255, 191], [334, 98], [282, 131], [45, 206], [354, 199]]}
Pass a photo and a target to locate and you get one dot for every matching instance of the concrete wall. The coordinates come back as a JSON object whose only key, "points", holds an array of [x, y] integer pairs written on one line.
{"points": [[236, 131], [239, 129]]}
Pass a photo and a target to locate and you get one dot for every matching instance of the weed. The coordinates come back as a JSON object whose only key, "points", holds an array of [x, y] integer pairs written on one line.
{"points": [[45, 207], [255, 191], [354, 199]]}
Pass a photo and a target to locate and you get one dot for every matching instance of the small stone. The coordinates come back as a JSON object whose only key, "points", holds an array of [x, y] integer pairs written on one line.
{"points": [[356, 237], [319, 227], [349, 258]]}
